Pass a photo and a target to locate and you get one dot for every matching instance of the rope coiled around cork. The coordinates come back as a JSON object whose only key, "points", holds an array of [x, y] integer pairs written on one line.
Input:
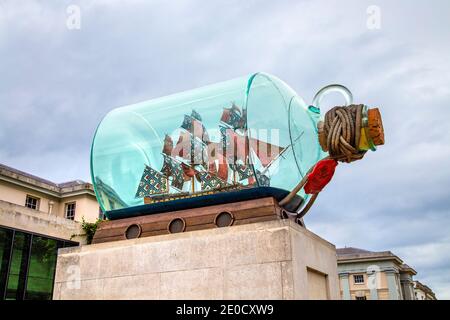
{"points": [[340, 133]]}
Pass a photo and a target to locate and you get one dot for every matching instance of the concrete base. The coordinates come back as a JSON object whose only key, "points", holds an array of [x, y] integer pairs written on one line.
{"points": [[268, 260]]}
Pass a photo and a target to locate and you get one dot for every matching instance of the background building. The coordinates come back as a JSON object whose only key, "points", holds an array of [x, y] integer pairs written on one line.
{"points": [[37, 217], [365, 275], [423, 292], [71, 200]]}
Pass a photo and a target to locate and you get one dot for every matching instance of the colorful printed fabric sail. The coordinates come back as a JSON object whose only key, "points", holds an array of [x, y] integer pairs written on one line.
{"points": [[234, 145], [193, 124], [209, 181], [243, 171], [233, 117], [263, 180], [196, 115], [225, 138], [152, 182], [187, 123], [173, 168], [192, 149], [199, 154], [168, 145]]}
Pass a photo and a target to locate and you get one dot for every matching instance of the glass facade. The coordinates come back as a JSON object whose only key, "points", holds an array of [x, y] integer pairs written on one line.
{"points": [[28, 263]]}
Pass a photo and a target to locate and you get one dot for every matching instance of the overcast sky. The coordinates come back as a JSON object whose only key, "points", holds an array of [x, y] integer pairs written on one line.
{"points": [[56, 84]]}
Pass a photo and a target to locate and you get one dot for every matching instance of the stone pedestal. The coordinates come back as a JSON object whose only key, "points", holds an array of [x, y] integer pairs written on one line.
{"points": [[267, 260]]}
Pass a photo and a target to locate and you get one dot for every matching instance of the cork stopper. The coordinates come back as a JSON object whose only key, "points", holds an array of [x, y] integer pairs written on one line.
{"points": [[375, 126]]}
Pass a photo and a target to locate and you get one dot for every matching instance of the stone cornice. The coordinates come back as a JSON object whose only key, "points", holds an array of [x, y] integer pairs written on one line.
{"points": [[376, 256], [44, 186]]}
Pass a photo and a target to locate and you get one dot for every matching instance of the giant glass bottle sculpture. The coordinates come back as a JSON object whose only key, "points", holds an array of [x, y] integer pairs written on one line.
{"points": [[249, 133]]}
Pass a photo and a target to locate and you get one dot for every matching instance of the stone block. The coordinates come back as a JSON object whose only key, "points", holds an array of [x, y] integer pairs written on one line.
{"points": [[265, 260]]}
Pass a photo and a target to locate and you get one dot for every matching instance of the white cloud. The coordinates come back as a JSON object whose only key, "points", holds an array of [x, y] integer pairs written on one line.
{"points": [[56, 85]]}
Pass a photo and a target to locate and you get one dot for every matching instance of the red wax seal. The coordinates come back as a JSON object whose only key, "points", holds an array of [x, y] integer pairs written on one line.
{"points": [[320, 176]]}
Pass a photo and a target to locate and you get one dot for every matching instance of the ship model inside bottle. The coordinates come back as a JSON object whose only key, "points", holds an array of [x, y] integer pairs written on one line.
{"points": [[196, 166], [237, 152]]}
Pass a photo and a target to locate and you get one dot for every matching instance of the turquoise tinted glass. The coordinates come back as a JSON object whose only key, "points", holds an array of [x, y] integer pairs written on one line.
{"points": [[248, 132]]}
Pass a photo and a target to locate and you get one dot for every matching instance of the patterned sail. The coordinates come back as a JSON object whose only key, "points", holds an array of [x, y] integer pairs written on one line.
{"points": [[244, 171], [188, 171], [233, 117], [168, 145], [183, 147], [199, 155], [217, 163], [172, 168], [152, 182], [191, 149], [263, 180], [209, 181], [193, 124]]}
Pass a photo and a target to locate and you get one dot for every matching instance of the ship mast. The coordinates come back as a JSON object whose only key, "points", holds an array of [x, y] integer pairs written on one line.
{"points": [[193, 142]]}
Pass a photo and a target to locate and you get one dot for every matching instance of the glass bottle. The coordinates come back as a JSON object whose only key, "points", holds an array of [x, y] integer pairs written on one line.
{"points": [[249, 132]]}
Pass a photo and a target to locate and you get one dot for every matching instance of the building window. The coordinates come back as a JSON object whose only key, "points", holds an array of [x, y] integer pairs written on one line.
{"points": [[70, 211], [358, 278], [32, 202], [361, 298]]}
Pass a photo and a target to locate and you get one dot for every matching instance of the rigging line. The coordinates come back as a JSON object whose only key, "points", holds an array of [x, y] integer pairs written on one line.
{"points": [[281, 153]]}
